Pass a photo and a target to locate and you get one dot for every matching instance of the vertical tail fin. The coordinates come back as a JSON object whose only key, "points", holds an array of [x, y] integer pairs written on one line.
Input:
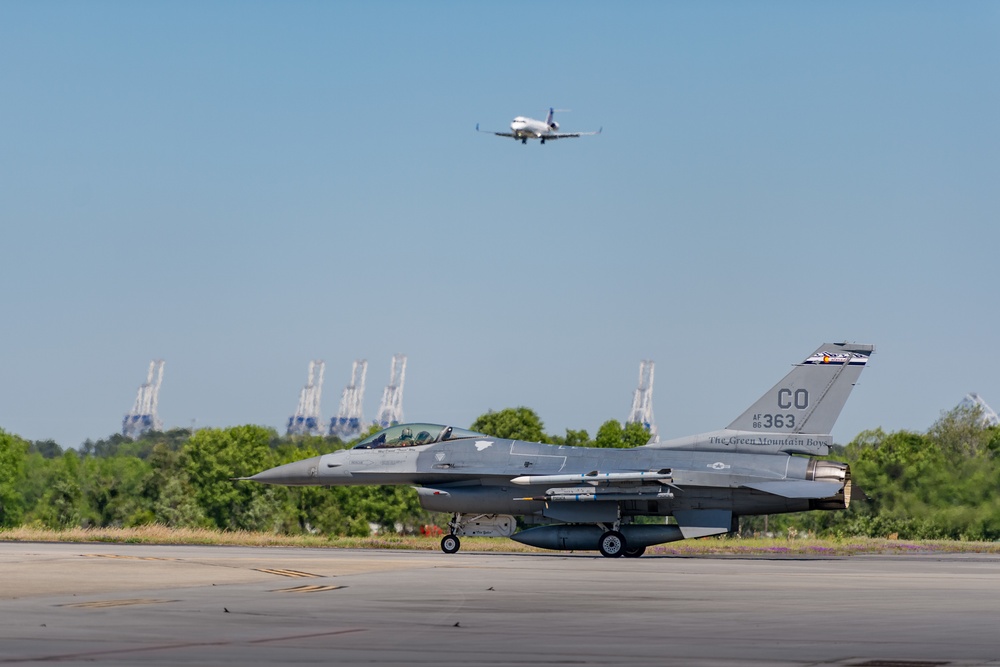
{"points": [[548, 119], [809, 399]]}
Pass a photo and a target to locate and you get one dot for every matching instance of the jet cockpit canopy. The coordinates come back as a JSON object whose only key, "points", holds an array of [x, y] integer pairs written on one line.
{"points": [[411, 435]]}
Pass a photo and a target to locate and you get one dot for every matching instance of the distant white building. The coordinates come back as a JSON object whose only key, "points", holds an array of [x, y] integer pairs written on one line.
{"points": [[306, 420], [143, 416], [989, 416], [642, 400]]}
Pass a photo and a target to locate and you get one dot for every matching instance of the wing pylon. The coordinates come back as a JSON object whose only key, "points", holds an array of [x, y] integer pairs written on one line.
{"points": [[613, 486], [595, 477]]}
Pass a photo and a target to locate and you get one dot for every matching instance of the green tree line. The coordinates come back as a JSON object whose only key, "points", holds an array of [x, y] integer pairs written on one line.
{"points": [[941, 484], [938, 484]]}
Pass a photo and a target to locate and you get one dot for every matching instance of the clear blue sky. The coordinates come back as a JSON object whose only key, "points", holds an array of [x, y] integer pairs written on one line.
{"points": [[240, 187]]}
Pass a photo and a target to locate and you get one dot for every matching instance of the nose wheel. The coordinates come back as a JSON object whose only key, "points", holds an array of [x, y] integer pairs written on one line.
{"points": [[450, 544]]}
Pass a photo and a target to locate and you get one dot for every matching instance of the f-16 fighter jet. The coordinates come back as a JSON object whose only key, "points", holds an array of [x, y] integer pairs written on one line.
{"points": [[583, 498]]}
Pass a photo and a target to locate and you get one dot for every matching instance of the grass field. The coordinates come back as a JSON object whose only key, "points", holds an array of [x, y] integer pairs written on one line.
{"points": [[735, 546]]}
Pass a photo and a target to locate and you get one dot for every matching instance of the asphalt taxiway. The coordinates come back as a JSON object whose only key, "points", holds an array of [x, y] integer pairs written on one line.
{"points": [[200, 605]]}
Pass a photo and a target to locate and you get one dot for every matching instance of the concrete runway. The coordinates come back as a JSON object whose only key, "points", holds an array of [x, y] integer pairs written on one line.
{"points": [[166, 605]]}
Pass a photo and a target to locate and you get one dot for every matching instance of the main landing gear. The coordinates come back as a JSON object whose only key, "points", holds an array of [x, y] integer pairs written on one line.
{"points": [[612, 544]]}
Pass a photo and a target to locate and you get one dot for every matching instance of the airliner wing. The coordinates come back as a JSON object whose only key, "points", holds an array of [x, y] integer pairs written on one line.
{"points": [[499, 134], [545, 137], [570, 135]]}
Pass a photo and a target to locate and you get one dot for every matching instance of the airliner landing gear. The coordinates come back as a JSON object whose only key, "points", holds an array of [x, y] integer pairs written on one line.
{"points": [[524, 140], [450, 544], [612, 544], [634, 553]]}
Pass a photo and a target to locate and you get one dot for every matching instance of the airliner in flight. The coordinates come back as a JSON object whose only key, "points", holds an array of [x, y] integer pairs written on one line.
{"points": [[525, 128]]}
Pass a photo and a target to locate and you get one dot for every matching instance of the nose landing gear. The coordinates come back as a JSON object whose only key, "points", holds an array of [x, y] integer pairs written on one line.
{"points": [[450, 544]]}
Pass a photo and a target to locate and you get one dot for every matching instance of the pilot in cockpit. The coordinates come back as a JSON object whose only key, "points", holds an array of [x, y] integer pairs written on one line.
{"points": [[406, 438]]}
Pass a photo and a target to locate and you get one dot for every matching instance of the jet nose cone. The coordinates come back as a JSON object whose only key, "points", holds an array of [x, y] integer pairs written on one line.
{"points": [[299, 473]]}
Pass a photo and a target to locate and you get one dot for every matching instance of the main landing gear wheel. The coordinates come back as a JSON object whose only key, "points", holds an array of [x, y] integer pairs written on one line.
{"points": [[612, 544], [634, 553], [450, 544]]}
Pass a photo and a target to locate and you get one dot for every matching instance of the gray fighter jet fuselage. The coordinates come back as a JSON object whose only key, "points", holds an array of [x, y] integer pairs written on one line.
{"points": [[588, 498]]}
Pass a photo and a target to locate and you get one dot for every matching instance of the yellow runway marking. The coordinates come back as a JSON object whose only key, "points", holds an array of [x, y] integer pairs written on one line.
{"points": [[306, 589], [125, 557], [100, 604], [288, 573]]}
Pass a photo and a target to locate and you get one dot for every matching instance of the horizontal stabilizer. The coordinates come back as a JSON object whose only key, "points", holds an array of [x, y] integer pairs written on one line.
{"points": [[702, 523], [799, 488]]}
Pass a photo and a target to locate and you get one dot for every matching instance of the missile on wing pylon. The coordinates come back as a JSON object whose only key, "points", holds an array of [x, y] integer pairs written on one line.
{"points": [[590, 497], [592, 493], [594, 477], [645, 489]]}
